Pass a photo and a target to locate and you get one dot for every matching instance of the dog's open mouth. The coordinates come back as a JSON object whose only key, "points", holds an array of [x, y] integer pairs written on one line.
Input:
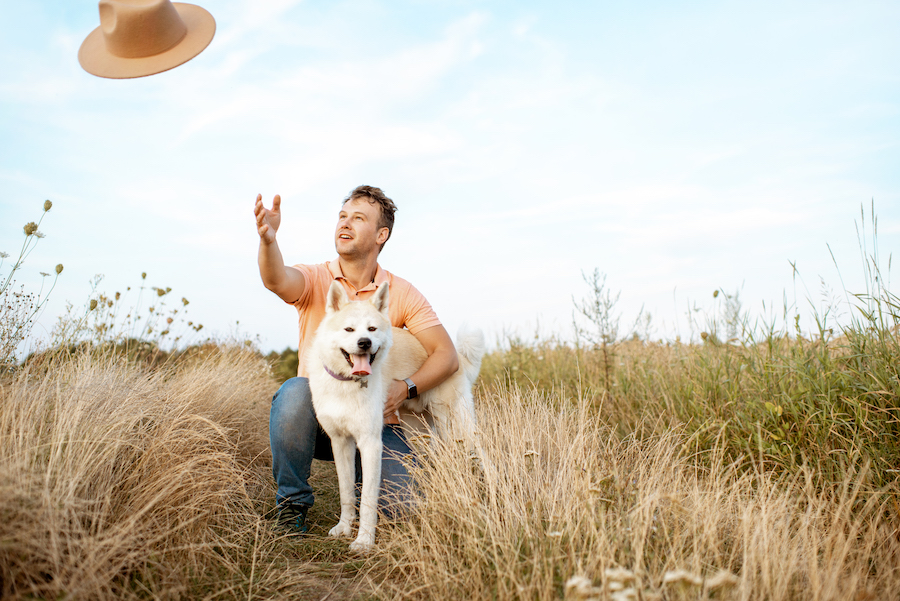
{"points": [[360, 365]]}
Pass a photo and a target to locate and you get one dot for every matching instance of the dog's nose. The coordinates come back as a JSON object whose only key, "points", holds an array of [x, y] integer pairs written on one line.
{"points": [[364, 344]]}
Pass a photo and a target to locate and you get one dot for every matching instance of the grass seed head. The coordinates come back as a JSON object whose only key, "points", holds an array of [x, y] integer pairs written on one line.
{"points": [[682, 578], [581, 588], [628, 594], [723, 579], [47, 205], [620, 575]]}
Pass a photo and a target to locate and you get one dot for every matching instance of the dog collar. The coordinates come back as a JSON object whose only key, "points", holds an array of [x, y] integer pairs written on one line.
{"points": [[336, 376], [363, 383]]}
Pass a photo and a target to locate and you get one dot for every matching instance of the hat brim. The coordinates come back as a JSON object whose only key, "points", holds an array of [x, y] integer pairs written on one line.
{"points": [[97, 60]]}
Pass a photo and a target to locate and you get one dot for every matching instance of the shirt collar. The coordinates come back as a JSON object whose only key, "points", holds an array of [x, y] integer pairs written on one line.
{"points": [[380, 275]]}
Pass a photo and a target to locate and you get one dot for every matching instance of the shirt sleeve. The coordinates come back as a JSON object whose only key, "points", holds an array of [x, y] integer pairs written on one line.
{"points": [[417, 312], [309, 274]]}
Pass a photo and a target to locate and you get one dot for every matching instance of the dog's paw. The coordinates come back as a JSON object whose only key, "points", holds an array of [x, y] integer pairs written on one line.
{"points": [[362, 544], [341, 530]]}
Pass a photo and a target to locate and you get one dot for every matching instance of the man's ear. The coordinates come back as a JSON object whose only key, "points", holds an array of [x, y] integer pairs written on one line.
{"points": [[382, 235], [337, 297], [381, 298]]}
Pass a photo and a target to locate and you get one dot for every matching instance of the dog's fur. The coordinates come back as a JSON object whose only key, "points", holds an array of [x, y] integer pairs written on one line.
{"points": [[364, 354]]}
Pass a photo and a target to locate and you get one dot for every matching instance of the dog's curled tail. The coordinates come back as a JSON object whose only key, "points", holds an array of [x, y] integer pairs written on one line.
{"points": [[470, 348]]}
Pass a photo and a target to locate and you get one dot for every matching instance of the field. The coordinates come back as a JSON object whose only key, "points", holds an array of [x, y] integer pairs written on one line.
{"points": [[750, 463], [645, 471]]}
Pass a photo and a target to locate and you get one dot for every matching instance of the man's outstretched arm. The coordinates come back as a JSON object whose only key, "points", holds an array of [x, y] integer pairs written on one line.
{"points": [[441, 363], [287, 282]]}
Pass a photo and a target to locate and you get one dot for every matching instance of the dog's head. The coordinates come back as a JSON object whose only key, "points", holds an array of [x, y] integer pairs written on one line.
{"points": [[354, 334]]}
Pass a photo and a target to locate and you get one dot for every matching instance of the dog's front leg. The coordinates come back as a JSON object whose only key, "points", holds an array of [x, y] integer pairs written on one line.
{"points": [[370, 453], [345, 463]]}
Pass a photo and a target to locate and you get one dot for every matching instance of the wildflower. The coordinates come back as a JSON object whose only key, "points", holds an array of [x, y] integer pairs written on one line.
{"points": [[30, 228], [47, 205], [93, 304], [118, 295], [169, 320], [59, 268], [715, 293], [185, 301], [144, 275], [3, 255], [198, 327], [44, 273], [704, 335]]}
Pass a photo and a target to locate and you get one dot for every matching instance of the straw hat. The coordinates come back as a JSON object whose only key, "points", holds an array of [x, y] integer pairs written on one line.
{"points": [[143, 37]]}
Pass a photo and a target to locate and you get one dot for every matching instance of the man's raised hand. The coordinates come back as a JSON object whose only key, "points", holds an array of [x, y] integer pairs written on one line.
{"points": [[267, 220]]}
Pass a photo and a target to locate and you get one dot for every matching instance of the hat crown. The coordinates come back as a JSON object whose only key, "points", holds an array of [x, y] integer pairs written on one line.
{"points": [[140, 28]]}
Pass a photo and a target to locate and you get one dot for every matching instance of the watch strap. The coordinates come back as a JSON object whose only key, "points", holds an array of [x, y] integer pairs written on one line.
{"points": [[411, 392]]}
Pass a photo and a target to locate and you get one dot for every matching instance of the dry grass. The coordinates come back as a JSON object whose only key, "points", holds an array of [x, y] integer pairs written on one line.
{"points": [[151, 480], [557, 494], [119, 482]]}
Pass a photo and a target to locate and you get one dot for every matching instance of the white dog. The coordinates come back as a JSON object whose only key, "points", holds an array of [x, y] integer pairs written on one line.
{"points": [[352, 361]]}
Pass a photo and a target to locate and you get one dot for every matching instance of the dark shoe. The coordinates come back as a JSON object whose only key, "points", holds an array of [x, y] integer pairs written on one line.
{"points": [[292, 517]]}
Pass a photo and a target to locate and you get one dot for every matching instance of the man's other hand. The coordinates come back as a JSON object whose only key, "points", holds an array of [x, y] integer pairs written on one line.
{"points": [[267, 220], [396, 394]]}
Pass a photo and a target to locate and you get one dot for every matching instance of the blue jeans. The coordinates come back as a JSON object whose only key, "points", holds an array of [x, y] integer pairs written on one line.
{"points": [[297, 438]]}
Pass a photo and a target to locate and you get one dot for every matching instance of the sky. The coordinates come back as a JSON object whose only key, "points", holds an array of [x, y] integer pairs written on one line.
{"points": [[677, 147]]}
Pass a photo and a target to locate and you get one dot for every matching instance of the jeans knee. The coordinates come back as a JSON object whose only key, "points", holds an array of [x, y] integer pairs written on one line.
{"points": [[293, 397], [292, 407]]}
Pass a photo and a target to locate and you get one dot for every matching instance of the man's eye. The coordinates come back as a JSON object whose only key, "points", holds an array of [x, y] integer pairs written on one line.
{"points": [[348, 329]]}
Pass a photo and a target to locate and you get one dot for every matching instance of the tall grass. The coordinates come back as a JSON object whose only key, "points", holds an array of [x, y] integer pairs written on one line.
{"points": [[763, 467], [831, 403], [557, 494], [117, 481]]}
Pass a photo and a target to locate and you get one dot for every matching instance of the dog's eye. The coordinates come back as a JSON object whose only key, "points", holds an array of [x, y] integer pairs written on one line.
{"points": [[372, 328], [348, 329]]}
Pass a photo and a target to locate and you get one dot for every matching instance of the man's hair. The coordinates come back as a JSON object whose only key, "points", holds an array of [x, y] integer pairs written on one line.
{"points": [[376, 196]]}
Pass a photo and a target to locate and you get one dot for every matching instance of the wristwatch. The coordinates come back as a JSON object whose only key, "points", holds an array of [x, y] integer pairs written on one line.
{"points": [[411, 391]]}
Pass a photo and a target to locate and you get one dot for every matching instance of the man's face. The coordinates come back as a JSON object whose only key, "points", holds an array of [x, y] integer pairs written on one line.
{"points": [[357, 232]]}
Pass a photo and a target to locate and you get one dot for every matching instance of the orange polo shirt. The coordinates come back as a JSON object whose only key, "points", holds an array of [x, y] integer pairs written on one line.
{"points": [[407, 307]]}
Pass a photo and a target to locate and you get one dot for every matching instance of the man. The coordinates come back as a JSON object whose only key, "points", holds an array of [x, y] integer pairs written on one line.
{"points": [[364, 225]]}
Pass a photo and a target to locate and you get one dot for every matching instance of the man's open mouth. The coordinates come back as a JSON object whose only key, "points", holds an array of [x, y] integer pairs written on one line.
{"points": [[360, 365]]}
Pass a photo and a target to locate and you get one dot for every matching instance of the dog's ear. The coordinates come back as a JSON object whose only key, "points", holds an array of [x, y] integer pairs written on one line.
{"points": [[381, 298], [336, 298]]}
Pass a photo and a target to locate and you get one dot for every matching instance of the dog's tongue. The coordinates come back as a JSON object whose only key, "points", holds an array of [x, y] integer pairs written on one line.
{"points": [[361, 365]]}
